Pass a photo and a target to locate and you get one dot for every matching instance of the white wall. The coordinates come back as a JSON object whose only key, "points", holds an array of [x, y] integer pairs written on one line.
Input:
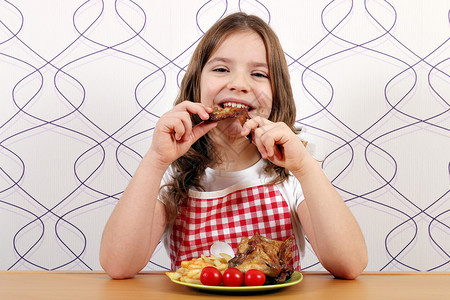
{"points": [[82, 84]]}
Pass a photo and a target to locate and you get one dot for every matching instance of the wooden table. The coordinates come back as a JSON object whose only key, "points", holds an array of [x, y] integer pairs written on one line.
{"points": [[155, 285]]}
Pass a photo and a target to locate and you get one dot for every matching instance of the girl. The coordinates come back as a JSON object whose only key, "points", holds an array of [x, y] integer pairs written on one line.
{"points": [[216, 185]]}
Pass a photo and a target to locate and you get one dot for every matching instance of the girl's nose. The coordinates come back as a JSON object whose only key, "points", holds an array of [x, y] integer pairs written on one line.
{"points": [[239, 83]]}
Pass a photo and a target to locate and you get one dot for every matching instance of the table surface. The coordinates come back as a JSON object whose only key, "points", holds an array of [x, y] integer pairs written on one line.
{"points": [[155, 285]]}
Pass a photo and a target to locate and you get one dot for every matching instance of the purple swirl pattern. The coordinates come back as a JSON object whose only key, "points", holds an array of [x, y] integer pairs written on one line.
{"points": [[84, 82]]}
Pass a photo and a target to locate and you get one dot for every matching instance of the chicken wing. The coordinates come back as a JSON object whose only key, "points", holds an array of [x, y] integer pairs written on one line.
{"points": [[273, 258]]}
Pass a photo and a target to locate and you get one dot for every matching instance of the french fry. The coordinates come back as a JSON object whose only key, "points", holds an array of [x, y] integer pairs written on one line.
{"points": [[226, 256], [195, 281], [191, 270]]}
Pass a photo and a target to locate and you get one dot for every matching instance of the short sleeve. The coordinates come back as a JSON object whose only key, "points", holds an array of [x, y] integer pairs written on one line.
{"points": [[294, 191]]}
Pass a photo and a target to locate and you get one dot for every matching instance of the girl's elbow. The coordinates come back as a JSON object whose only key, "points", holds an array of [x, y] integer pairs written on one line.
{"points": [[348, 273], [120, 275], [352, 269], [115, 270]]}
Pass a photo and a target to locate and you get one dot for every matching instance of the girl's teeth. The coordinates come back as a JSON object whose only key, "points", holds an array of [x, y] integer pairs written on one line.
{"points": [[234, 104]]}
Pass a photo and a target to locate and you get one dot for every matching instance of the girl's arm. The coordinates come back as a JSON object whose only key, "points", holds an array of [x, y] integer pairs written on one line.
{"points": [[328, 223], [138, 220], [135, 225]]}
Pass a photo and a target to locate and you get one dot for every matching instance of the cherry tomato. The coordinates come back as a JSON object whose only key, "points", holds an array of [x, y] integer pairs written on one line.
{"points": [[254, 277], [210, 276], [233, 277]]}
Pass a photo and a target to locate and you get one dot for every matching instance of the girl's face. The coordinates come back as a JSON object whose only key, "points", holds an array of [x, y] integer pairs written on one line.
{"points": [[237, 74]]}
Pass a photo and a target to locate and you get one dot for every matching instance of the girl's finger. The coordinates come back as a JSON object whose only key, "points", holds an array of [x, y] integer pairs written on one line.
{"points": [[178, 129], [270, 136], [181, 124], [260, 145], [254, 123], [200, 130], [277, 153], [196, 108]]}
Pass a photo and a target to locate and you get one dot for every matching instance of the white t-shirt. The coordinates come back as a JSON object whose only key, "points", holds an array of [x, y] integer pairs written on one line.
{"points": [[216, 182]]}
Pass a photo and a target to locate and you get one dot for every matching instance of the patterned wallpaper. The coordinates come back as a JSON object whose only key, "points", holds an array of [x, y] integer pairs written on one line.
{"points": [[82, 84]]}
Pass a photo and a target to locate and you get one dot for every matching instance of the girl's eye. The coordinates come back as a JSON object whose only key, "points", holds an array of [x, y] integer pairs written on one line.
{"points": [[221, 70], [261, 75]]}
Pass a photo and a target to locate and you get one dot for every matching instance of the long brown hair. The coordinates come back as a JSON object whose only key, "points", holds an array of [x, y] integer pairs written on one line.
{"points": [[189, 168]]}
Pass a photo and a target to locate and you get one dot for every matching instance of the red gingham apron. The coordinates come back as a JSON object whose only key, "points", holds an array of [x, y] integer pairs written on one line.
{"points": [[242, 213]]}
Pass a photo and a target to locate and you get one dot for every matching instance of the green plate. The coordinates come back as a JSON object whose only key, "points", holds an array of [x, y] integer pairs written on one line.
{"points": [[296, 277]]}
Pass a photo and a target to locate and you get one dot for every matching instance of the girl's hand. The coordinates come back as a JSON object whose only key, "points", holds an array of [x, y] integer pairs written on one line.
{"points": [[276, 142], [174, 134]]}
